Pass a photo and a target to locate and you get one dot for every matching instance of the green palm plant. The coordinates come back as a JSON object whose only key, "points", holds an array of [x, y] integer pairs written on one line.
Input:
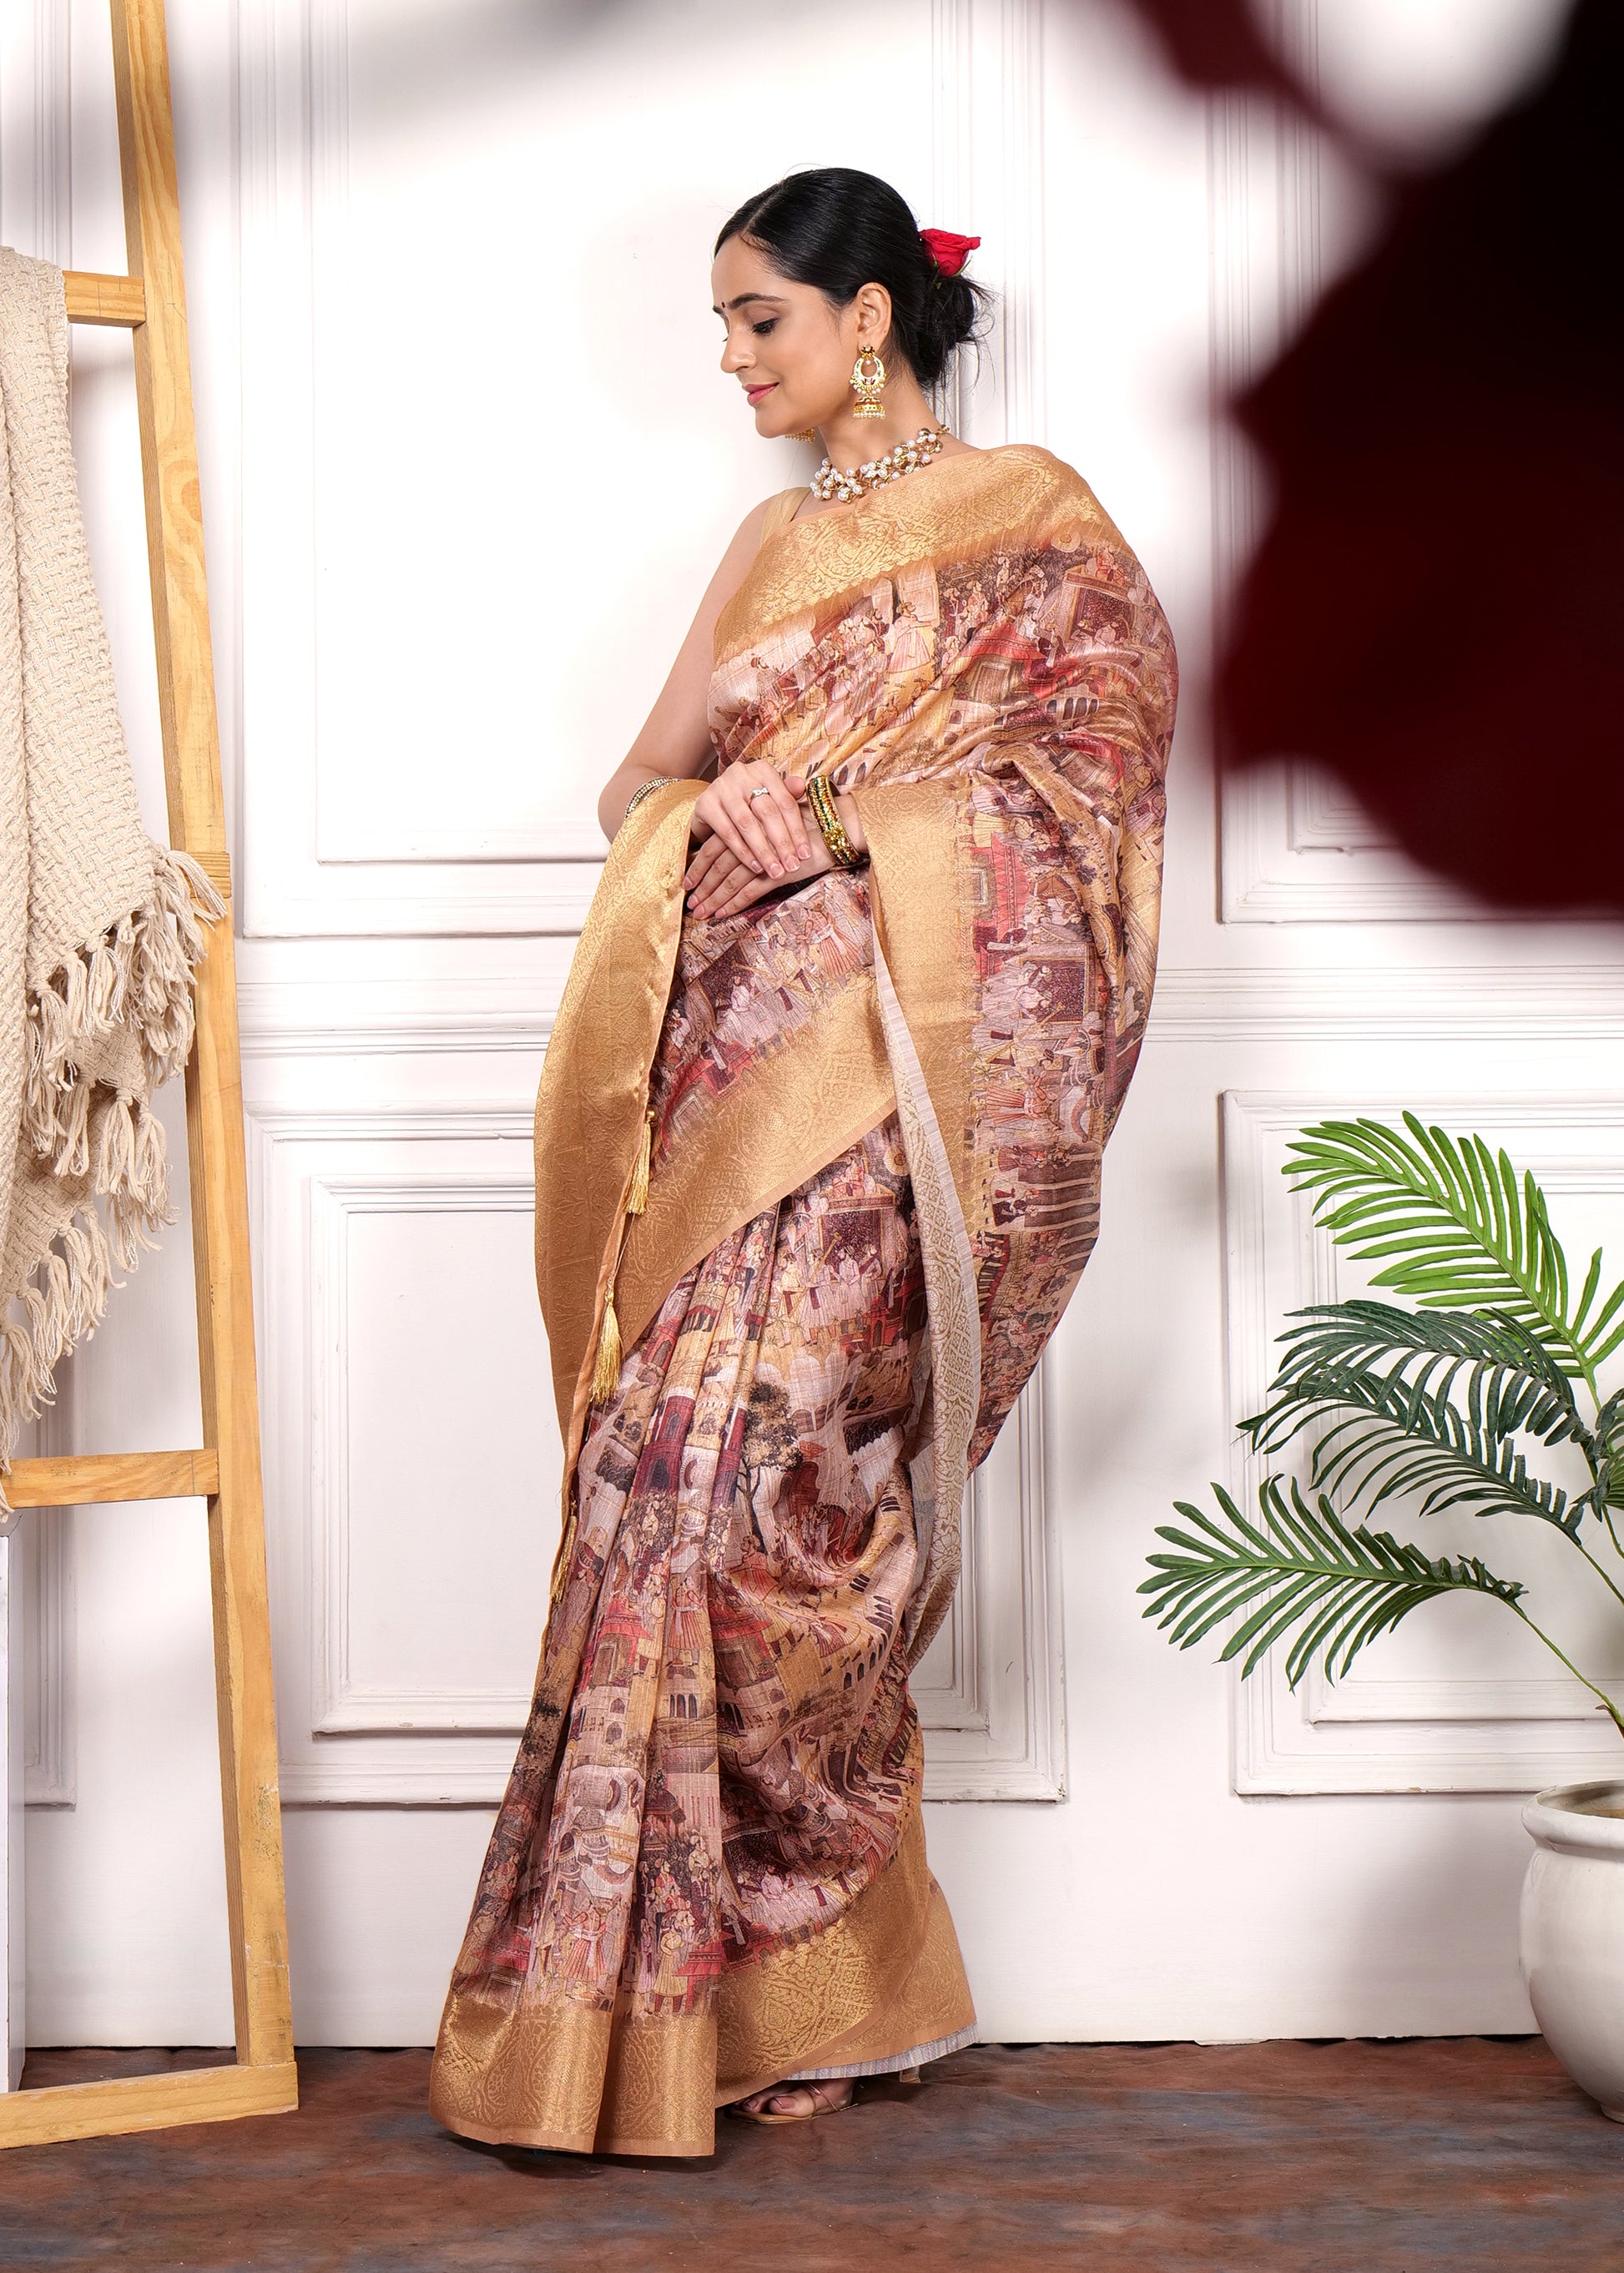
{"points": [[1446, 1403]]}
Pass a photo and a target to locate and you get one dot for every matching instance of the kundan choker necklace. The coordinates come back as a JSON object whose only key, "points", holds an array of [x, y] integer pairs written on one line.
{"points": [[827, 483]]}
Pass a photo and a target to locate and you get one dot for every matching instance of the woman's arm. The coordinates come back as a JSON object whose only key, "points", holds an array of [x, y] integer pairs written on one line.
{"points": [[676, 743]]}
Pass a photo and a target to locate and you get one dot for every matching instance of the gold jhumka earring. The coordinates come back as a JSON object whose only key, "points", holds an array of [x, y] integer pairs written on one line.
{"points": [[868, 386]]}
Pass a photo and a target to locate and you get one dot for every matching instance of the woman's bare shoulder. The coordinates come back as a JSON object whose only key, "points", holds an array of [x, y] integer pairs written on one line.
{"points": [[777, 511], [758, 525], [762, 521]]}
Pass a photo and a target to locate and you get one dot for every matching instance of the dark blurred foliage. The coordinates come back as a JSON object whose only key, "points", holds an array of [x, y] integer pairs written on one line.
{"points": [[1437, 612]]}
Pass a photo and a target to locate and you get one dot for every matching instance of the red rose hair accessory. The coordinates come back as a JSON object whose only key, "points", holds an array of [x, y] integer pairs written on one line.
{"points": [[950, 253]]}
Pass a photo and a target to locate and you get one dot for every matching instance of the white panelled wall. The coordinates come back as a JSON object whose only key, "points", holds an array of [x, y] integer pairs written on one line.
{"points": [[467, 463]]}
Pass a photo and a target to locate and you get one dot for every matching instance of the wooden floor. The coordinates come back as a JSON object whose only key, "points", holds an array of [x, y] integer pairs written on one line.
{"points": [[1347, 2157]]}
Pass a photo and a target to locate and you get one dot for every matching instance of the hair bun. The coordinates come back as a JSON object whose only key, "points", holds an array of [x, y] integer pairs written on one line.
{"points": [[952, 313], [839, 229]]}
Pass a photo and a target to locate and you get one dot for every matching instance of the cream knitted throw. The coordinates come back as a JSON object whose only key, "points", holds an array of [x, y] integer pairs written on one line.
{"points": [[100, 928]]}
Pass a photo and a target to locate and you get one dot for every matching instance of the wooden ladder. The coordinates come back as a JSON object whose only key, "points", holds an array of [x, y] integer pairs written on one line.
{"points": [[224, 1470]]}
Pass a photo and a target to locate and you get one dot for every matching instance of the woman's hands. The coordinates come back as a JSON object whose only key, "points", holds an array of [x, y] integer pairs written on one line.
{"points": [[753, 813], [719, 884], [720, 881]]}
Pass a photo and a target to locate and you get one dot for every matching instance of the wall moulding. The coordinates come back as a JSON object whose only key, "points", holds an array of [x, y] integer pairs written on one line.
{"points": [[1280, 864], [47, 1578], [1466, 1728], [35, 179], [335, 1015], [343, 1700], [1362, 1001], [990, 1689], [317, 1175]]}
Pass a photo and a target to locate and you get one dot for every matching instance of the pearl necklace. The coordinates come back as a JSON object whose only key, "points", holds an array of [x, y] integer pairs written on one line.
{"points": [[827, 483]]}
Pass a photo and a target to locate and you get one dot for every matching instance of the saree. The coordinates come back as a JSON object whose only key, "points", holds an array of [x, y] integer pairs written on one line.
{"points": [[814, 1182]]}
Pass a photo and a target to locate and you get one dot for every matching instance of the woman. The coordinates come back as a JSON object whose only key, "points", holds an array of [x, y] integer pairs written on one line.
{"points": [[818, 1167]]}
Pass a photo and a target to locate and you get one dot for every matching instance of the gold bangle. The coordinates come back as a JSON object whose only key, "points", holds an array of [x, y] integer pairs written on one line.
{"points": [[647, 789], [842, 851]]}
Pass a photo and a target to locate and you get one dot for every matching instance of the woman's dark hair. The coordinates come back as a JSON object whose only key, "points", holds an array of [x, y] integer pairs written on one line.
{"points": [[840, 230]]}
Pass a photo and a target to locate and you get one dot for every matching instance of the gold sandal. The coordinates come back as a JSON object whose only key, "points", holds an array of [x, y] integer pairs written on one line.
{"points": [[814, 2086]]}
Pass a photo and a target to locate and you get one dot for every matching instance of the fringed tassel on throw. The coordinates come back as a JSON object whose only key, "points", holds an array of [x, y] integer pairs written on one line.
{"points": [[139, 976], [63, 1302], [133, 1173], [170, 944], [115, 1146], [140, 972], [72, 1156]]}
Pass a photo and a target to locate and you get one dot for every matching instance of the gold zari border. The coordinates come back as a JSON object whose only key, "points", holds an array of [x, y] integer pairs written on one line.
{"points": [[575, 2078], [959, 506], [918, 891], [884, 1977], [775, 1126], [595, 1079]]}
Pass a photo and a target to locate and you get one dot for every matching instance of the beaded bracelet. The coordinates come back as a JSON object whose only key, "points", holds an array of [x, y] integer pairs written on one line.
{"points": [[842, 851], [654, 782]]}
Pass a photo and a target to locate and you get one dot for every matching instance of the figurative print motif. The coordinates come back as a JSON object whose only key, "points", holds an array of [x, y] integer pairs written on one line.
{"points": [[745, 985], [740, 1751], [1038, 685]]}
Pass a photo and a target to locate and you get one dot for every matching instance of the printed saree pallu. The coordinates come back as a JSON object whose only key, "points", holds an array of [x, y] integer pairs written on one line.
{"points": [[827, 1171]]}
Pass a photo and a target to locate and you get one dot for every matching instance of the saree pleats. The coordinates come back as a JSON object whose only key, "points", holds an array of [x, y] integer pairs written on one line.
{"points": [[709, 1871]]}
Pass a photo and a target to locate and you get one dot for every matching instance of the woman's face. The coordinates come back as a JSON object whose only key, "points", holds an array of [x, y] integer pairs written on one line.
{"points": [[790, 350]]}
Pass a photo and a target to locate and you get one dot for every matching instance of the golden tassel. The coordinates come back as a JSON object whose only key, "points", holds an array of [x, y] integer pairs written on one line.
{"points": [[606, 1372], [561, 1561], [639, 1198]]}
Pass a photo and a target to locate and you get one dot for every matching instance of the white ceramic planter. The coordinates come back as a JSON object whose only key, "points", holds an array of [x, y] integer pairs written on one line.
{"points": [[1572, 1932]]}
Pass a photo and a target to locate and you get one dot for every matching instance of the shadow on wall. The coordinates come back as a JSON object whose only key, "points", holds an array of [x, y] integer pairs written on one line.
{"points": [[433, 60], [1436, 612]]}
